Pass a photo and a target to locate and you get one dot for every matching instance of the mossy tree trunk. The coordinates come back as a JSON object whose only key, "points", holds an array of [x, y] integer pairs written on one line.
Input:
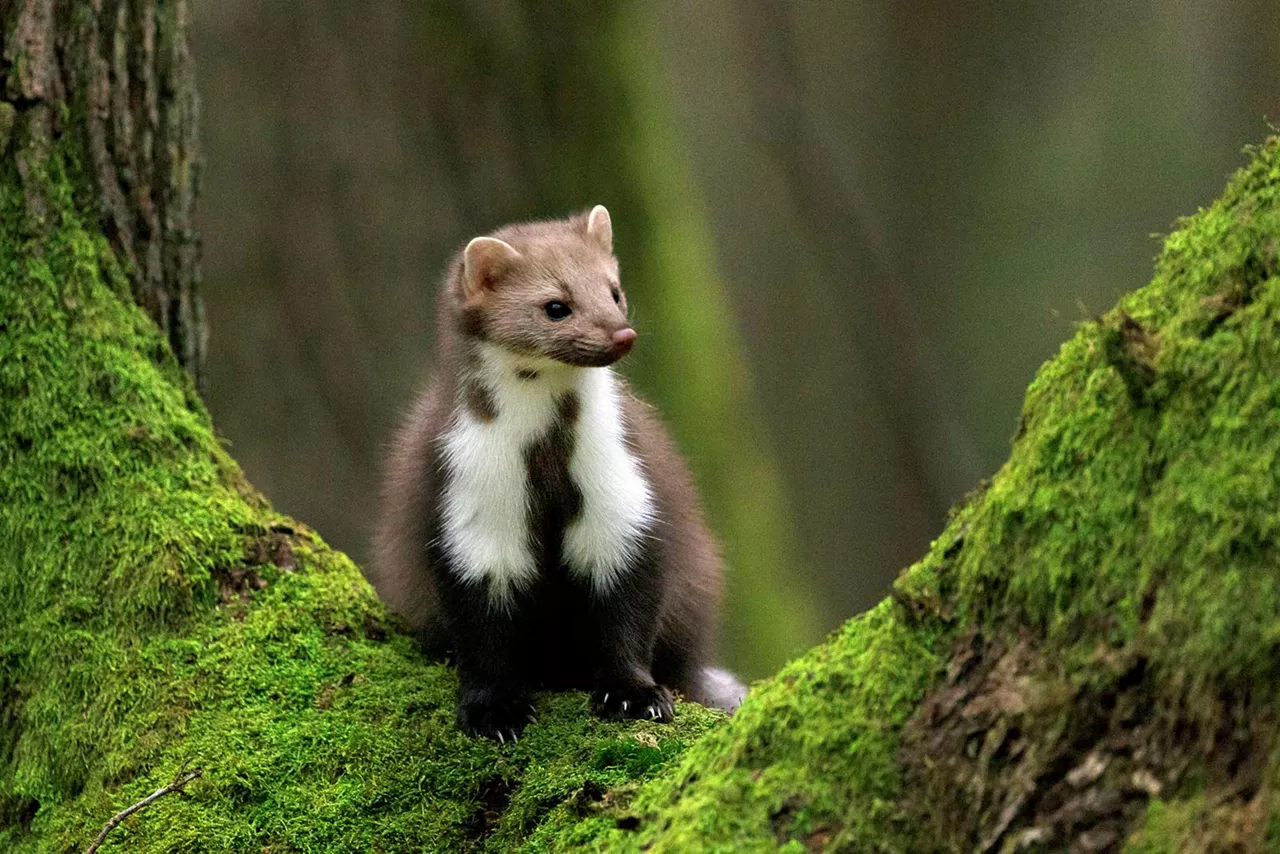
{"points": [[116, 76], [1086, 658]]}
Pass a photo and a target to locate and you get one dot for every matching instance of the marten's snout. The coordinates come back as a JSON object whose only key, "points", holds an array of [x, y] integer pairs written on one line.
{"points": [[623, 341]]}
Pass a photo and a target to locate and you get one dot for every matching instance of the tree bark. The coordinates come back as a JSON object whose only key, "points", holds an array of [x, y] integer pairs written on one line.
{"points": [[116, 74], [1085, 659]]}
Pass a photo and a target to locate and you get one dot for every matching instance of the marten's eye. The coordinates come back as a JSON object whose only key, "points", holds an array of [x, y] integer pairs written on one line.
{"points": [[617, 294], [557, 310]]}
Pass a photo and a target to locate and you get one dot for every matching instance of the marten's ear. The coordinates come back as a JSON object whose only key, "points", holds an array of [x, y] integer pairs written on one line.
{"points": [[483, 262], [600, 227]]}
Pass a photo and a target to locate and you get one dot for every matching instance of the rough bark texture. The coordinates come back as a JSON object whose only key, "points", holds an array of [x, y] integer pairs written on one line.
{"points": [[116, 75], [1085, 660]]}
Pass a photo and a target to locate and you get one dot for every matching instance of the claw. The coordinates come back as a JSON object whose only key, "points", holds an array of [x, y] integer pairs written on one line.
{"points": [[605, 701], [515, 737], [625, 704], [653, 713], [500, 738]]}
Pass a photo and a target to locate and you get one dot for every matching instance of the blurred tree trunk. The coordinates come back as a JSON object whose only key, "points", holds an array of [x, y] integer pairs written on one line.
{"points": [[115, 74]]}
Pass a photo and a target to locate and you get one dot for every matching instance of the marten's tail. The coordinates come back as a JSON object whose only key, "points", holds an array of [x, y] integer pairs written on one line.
{"points": [[717, 688], [399, 570]]}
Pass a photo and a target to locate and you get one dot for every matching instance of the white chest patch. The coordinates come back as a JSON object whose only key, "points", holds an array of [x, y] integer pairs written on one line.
{"points": [[617, 504], [486, 507]]}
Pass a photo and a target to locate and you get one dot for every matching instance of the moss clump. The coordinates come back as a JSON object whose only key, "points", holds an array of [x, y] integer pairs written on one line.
{"points": [[158, 613], [1099, 625], [809, 757]]}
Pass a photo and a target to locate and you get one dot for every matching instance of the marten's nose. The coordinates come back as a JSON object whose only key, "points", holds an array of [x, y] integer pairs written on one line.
{"points": [[623, 341]]}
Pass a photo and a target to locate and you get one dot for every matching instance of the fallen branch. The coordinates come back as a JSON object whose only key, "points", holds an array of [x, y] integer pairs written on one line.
{"points": [[179, 781]]}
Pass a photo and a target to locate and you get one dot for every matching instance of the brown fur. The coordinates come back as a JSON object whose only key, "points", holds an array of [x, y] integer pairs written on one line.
{"points": [[501, 301], [559, 261]]}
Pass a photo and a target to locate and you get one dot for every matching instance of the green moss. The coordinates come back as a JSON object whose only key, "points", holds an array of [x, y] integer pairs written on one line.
{"points": [[159, 613], [810, 756], [1137, 512], [1167, 827], [1152, 522]]}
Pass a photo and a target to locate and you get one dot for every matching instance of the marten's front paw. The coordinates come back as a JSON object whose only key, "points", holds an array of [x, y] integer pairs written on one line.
{"points": [[501, 718], [647, 702]]}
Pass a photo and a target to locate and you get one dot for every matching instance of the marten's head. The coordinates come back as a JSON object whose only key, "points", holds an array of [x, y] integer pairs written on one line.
{"points": [[548, 289]]}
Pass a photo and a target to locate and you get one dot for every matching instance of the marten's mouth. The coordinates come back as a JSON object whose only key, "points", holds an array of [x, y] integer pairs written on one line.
{"points": [[583, 358], [587, 356]]}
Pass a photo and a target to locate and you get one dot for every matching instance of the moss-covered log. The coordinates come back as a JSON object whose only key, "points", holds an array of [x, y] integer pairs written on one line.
{"points": [[1087, 658]]}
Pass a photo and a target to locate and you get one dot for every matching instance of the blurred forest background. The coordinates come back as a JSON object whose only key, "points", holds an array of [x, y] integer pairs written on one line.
{"points": [[850, 233]]}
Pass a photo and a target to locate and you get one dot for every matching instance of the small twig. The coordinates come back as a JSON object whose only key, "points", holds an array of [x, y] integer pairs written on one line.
{"points": [[175, 786]]}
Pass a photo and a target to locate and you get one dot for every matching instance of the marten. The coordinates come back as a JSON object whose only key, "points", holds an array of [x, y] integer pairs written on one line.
{"points": [[537, 524]]}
